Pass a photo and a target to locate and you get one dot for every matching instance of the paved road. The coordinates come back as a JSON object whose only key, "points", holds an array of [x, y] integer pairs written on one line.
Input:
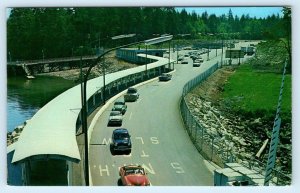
{"points": [[160, 142]]}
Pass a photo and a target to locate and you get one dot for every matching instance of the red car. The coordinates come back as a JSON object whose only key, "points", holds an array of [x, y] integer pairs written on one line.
{"points": [[133, 175]]}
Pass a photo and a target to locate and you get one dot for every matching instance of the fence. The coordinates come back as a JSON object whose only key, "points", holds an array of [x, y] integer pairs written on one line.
{"points": [[210, 146]]}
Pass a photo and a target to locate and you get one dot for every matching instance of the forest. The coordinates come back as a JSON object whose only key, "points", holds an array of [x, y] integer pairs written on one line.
{"points": [[37, 33]]}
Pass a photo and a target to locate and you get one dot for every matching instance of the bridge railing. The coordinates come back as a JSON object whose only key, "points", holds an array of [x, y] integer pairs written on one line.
{"points": [[50, 60], [210, 146]]}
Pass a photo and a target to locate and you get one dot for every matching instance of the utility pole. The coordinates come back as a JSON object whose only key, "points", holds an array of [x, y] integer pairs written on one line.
{"points": [[208, 52], [222, 52], [9, 56], [169, 54], [103, 72], [216, 49], [177, 52], [99, 43], [83, 122], [239, 57], [43, 55]]}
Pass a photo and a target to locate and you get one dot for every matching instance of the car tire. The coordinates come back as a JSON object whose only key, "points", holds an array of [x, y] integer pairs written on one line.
{"points": [[120, 182], [112, 151]]}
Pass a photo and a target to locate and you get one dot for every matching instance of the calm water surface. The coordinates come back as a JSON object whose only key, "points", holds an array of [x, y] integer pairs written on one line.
{"points": [[25, 97]]}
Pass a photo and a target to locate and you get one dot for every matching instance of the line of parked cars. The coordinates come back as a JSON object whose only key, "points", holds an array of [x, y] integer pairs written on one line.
{"points": [[130, 175]]}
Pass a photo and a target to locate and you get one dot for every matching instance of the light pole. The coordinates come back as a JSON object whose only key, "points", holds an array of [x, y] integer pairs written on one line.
{"points": [[9, 56], [43, 55], [81, 85], [177, 53], [222, 52], [83, 96], [208, 52]]}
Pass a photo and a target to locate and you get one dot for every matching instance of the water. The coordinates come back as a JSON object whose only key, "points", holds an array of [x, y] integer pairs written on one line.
{"points": [[25, 97]]}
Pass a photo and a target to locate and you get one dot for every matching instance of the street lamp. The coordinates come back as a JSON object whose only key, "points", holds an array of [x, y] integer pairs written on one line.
{"points": [[222, 52], [81, 85], [43, 55], [83, 96], [9, 56]]}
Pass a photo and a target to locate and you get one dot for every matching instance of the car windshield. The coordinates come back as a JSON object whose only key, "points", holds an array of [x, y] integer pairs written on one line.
{"points": [[129, 171], [119, 103], [131, 91], [115, 113], [121, 135]]}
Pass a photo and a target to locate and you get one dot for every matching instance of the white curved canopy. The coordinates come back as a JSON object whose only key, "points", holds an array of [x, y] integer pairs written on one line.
{"points": [[51, 132]]}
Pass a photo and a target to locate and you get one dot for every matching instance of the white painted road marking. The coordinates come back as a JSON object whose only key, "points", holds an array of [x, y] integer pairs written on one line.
{"points": [[177, 167], [103, 170], [140, 139], [154, 140], [144, 155]]}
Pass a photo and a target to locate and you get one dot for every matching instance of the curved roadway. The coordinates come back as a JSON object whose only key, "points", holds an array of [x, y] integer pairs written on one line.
{"points": [[159, 139]]}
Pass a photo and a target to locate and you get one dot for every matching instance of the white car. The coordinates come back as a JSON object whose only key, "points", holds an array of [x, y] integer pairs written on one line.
{"points": [[115, 118], [131, 95], [184, 61], [120, 105]]}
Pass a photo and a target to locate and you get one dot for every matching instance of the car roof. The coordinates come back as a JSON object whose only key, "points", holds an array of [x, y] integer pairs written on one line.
{"points": [[120, 130], [120, 100], [115, 112]]}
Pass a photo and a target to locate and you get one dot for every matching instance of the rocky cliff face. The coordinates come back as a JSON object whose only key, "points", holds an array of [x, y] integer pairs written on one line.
{"points": [[244, 136]]}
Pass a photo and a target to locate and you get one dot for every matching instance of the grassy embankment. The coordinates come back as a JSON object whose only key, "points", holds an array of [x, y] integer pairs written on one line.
{"points": [[255, 93]]}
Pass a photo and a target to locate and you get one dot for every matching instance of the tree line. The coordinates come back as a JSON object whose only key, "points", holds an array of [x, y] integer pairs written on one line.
{"points": [[37, 33]]}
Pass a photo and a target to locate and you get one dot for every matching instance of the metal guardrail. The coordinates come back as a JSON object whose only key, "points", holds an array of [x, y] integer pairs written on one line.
{"points": [[210, 146]]}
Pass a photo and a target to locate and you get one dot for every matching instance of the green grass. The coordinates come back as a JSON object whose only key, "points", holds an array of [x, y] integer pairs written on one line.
{"points": [[257, 92]]}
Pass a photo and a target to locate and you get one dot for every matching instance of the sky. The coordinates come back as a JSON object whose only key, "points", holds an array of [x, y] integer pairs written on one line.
{"points": [[258, 12], [239, 11]]}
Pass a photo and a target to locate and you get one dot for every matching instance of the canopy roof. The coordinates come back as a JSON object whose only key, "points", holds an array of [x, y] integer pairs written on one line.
{"points": [[51, 132]]}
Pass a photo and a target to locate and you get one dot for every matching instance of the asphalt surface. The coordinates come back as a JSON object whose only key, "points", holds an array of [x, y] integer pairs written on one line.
{"points": [[159, 140]]}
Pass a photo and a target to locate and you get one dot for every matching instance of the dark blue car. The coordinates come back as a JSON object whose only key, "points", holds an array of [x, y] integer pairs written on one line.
{"points": [[121, 140]]}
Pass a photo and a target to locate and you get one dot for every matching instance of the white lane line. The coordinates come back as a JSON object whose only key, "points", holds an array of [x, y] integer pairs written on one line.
{"points": [[130, 116]]}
